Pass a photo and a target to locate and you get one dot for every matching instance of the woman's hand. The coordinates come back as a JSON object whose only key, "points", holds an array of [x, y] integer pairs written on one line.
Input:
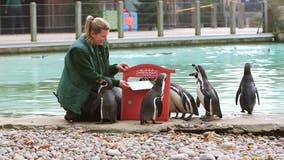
{"points": [[122, 67], [123, 84]]}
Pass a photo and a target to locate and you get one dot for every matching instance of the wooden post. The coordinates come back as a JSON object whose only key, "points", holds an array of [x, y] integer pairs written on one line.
{"points": [[160, 18], [233, 17], [197, 18], [214, 15], [78, 19], [33, 22], [120, 19], [265, 16]]}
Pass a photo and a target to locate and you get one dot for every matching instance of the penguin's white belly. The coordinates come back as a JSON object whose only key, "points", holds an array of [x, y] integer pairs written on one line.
{"points": [[200, 94]]}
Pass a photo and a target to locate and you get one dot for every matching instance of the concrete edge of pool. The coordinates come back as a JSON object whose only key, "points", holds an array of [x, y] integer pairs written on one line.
{"points": [[237, 124], [55, 46]]}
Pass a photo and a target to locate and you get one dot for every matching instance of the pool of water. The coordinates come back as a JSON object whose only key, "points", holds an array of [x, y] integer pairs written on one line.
{"points": [[27, 81]]}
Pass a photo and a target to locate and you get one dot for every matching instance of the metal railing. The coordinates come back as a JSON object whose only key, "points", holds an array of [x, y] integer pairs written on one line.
{"points": [[153, 15]]}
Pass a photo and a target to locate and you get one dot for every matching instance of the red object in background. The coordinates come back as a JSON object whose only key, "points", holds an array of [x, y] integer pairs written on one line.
{"points": [[131, 100], [129, 20]]}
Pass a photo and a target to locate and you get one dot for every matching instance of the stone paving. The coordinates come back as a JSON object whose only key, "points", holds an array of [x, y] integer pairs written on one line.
{"points": [[242, 123], [67, 37]]}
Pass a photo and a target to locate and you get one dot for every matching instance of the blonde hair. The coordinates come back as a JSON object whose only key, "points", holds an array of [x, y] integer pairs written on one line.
{"points": [[95, 25]]}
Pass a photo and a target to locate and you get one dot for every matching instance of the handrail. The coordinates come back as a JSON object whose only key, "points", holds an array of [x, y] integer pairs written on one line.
{"points": [[193, 8]]}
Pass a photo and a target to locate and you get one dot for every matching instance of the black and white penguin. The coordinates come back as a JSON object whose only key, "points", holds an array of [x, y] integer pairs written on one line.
{"points": [[247, 91], [152, 105], [206, 94], [181, 101], [109, 101]]}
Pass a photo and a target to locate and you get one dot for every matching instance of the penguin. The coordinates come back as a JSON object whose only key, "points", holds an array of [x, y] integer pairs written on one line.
{"points": [[152, 105], [181, 101], [109, 101], [206, 94], [118, 94], [247, 91]]}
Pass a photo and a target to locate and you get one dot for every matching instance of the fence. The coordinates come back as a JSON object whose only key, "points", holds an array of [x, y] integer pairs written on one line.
{"points": [[159, 16]]}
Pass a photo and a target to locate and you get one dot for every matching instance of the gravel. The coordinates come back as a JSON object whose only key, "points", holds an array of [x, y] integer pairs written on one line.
{"points": [[80, 143]]}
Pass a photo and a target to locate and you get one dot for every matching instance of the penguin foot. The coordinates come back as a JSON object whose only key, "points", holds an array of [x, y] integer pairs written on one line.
{"points": [[142, 122], [105, 121], [203, 117], [206, 118], [70, 121], [154, 122], [243, 111]]}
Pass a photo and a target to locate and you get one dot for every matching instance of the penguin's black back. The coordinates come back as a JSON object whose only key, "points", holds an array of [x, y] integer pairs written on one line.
{"points": [[248, 93]]}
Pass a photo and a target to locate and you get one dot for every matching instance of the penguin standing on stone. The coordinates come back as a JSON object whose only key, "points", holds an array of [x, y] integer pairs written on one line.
{"points": [[152, 105], [109, 101], [206, 94], [181, 101], [247, 91]]}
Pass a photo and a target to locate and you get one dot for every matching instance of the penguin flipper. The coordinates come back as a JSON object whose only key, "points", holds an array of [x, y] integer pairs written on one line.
{"points": [[217, 109], [207, 105], [159, 105], [194, 106], [237, 95], [216, 105], [257, 96], [197, 101], [207, 92], [190, 102], [118, 102], [185, 102]]}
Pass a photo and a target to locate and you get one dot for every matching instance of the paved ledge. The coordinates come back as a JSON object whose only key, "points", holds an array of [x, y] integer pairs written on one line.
{"points": [[256, 124], [61, 46]]}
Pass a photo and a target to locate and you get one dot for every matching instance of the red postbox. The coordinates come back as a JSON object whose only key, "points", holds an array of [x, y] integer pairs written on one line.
{"points": [[131, 99]]}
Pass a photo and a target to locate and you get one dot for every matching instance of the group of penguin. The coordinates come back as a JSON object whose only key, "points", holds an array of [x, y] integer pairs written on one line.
{"points": [[181, 101]]}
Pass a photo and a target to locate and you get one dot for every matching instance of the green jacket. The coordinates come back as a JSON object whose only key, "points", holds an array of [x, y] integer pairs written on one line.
{"points": [[84, 65]]}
